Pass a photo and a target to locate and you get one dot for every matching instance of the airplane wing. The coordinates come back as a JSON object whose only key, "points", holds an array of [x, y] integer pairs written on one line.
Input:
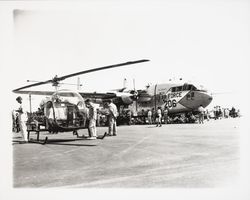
{"points": [[108, 95], [95, 95], [119, 90]]}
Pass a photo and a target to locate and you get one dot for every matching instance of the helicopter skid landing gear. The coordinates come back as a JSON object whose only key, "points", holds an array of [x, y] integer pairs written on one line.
{"points": [[103, 136], [37, 141]]}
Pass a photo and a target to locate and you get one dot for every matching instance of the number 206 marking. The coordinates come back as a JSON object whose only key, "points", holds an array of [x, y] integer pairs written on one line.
{"points": [[171, 103]]}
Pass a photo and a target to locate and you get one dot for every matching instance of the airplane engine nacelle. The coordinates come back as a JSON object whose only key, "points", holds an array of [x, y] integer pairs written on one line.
{"points": [[126, 100], [144, 99]]}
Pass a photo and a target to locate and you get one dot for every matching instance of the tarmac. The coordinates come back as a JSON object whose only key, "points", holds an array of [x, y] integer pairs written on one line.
{"points": [[140, 156]]}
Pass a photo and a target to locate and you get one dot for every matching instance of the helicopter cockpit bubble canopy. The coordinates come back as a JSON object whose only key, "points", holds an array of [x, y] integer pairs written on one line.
{"points": [[66, 109], [69, 96]]}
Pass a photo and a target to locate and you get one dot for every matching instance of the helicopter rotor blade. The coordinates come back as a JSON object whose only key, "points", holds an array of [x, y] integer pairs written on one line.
{"points": [[101, 68], [32, 85], [56, 79]]}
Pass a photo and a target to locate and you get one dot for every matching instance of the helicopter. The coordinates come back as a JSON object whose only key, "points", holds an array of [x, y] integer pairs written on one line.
{"points": [[65, 111]]}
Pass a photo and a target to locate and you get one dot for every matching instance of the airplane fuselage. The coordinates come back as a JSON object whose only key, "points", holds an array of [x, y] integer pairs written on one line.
{"points": [[178, 98]]}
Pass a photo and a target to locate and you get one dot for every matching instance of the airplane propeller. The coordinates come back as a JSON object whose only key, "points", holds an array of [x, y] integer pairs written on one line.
{"points": [[55, 80], [135, 95]]}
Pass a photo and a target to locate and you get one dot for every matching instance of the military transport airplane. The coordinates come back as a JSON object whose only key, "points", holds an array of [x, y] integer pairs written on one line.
{"points": [[177, 97]]}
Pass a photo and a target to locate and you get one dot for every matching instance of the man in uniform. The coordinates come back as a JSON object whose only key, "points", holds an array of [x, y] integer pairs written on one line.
{"points": [[113, 114], [92, 119], [22, 118]]}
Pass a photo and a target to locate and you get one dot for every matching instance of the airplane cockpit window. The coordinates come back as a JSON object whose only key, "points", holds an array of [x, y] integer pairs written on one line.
{"points": [[177, 89], [193, 87], [185, 87]]}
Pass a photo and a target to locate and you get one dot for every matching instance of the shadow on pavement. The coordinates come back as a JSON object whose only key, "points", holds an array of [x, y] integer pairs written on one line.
{"points": [[53, 142]]}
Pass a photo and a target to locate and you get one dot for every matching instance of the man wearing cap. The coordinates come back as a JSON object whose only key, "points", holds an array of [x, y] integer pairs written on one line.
{"points": [[22, 118]]}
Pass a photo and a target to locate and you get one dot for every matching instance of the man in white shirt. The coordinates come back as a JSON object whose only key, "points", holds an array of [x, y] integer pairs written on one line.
{"points": [[149, 117], [22, 118], [113, 114], [201, 114], [159, 116]]}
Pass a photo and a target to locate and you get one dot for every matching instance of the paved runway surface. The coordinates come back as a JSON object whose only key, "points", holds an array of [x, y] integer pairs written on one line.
{"points": [[141, 156]]}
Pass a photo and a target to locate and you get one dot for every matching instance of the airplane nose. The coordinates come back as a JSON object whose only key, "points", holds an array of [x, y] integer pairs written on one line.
{"points": [[195, 99], [210, 98], [204, 98]]}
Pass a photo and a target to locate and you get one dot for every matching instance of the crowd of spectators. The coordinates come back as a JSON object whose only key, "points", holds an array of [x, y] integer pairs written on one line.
{"points": [[127, 117], [150, 116]]}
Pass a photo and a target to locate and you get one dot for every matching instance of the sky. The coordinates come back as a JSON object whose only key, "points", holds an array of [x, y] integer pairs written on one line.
{"points": [[202, 41]]}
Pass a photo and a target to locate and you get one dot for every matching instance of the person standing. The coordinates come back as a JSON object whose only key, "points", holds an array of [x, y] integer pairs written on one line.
{"points": [[201, 114], [112, 115], [22, 118], [98, 117], [149, 117], [166, 115], [92, 119], [216, 112], [159, 116], [153, 115], [129, 116], [233, 114], [207, 114], [226, 113]]}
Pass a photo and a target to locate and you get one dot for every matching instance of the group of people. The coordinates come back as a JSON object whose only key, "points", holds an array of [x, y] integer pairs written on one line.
{"points": [[111, 112], [156, 116], [159, 116], [20, 118], [151, 116], [218, 112]]}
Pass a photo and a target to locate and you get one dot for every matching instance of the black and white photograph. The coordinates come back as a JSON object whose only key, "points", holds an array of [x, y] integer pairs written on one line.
{"points": [[142, 98]]}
